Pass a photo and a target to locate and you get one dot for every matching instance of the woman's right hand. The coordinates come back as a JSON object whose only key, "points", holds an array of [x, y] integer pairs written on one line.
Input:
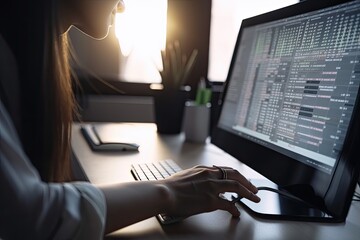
{"points": [[196, 190]]}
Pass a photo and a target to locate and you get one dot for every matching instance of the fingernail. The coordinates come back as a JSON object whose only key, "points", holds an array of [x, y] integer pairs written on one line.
{"points": [[257, 198]]}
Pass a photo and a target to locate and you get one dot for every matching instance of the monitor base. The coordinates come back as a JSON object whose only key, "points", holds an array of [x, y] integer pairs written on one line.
{"points": [[274, 205]]}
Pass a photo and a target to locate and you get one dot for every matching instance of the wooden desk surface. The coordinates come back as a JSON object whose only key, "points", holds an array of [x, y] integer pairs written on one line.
{"points": [[107, 168]]}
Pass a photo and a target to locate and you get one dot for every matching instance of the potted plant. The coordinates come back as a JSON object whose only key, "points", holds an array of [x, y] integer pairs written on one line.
{"points": [[169, 100]]}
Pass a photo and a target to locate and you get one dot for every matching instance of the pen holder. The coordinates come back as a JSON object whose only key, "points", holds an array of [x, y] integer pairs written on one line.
{"points": [[196, 122], [169, 108]]}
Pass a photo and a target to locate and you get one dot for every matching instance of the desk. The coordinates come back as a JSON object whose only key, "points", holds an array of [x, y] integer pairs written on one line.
{"points": [[107, 168]]}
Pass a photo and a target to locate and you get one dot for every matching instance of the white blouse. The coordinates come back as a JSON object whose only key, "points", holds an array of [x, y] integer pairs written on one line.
{"points": [[32, 209]]}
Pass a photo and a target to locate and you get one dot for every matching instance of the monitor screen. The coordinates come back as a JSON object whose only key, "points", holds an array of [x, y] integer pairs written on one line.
{"points": [[290, 104]]}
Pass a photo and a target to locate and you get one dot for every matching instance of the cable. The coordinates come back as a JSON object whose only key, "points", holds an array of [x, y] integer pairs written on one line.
{"points": [[280, 192], [285, 194], [356, 197]]}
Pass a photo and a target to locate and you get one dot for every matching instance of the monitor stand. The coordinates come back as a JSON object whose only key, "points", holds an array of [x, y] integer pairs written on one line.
{"points": [[281, 207]]}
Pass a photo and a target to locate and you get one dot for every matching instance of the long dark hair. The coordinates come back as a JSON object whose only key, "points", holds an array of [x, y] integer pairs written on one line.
{"points": [[60, 108], [47, 101]]}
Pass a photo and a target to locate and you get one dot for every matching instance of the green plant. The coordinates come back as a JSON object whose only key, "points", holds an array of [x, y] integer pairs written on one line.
{"points": [[176, 66]]}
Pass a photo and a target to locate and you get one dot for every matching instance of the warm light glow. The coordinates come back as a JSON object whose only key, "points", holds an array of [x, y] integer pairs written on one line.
{"points": [[141, 31]]}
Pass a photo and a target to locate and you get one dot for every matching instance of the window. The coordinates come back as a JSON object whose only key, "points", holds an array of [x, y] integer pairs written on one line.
{"points": [[226, 17], [132, 51], [141, 31]]}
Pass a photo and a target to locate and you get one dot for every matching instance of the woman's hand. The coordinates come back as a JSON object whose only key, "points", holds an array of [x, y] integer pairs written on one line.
{"points": [[197, 190]]}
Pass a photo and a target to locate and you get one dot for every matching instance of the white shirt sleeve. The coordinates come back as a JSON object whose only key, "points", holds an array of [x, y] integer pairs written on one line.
{"points": [[32, 209]]}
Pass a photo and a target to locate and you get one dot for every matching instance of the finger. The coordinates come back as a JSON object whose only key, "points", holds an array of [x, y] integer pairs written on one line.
{"points": [[234, 174], [228, 206], [231, 173], [234, 186], [213, 172]]}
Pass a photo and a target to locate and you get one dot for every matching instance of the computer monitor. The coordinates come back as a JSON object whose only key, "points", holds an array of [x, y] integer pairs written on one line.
{"points": [[290, 109]]}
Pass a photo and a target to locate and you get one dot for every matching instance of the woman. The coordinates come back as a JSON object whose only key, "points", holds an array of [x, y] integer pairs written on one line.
{"points": [[36, 111]]}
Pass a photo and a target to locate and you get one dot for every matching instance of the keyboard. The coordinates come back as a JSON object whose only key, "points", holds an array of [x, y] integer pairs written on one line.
{"points": [[156, 171]]}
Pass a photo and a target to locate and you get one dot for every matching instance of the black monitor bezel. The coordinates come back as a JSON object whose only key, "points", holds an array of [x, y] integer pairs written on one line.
{"points": [[314, 186]]}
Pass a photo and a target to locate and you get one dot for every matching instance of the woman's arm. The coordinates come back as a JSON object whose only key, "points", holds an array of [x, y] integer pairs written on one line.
{"points": [[128, 203], [186, 193], [42, 210]]}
